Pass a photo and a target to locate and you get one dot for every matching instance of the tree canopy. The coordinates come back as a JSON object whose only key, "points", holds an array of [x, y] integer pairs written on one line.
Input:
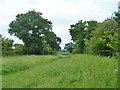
{"points": [[35, 32], [81, 30], [69, 47], [7, 45], [104, 40]]}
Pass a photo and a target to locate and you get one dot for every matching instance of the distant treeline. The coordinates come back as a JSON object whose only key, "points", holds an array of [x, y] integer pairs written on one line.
{"points": [[91, 37]]}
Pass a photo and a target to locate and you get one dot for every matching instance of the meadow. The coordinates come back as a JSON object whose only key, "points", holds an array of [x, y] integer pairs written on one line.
{"points": [[53, 71]]}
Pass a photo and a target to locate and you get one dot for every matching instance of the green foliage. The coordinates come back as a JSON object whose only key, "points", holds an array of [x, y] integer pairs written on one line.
{"points": [[104, 40], [91, 26], [117, 18], [18, 49], [0, 45], [77, 33], [7, 46], [77, 30], [34, 30], [82, 30], [47, 49], [53, 40], [48, 71], [69, 47]]}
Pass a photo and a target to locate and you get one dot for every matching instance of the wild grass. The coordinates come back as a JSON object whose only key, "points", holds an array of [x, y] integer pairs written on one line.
{"points": [[73, 71]]}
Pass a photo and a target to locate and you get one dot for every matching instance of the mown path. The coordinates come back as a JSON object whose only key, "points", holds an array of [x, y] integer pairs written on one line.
{"points": [[62, 56]]}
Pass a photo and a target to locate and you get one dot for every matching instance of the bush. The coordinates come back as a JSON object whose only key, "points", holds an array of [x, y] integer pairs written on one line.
{"points": [[7, 46], [104, 40]]}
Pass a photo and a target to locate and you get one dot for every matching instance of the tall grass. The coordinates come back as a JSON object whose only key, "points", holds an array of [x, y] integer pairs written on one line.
{"points": [[74, 71]]}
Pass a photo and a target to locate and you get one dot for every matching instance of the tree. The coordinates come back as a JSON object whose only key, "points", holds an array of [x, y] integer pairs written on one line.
{"points": [[82, 30], [0, 45], [53, 40], [69, 47], [90, 27], [117, 19], [31, 28], [7, 45], [77, 33], [18, 49], [77, 30], [104, 40]]}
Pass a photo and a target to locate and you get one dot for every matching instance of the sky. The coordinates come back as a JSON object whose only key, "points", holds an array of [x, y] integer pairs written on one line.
{"points": [[62, 13]]}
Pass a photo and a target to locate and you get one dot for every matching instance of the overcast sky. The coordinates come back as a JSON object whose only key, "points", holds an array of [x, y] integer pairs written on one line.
{"points": [[62, 13]]}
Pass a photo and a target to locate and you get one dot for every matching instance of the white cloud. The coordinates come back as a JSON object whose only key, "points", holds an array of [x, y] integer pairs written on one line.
{"points": [[61, 12], [62, 31]]}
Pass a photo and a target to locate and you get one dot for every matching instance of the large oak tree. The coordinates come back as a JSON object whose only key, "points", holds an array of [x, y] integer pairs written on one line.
{"points": [[33, 30]]}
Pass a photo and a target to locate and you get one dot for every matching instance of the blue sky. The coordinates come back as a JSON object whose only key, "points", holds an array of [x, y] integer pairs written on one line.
{"points": [[62, 13]]}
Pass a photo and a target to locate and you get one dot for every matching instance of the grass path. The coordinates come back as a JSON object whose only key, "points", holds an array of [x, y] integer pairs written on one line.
{"points": [[74, 71]]}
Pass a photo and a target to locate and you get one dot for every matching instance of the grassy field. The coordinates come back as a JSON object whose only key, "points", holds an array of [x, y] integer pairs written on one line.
{"points": [[74, 71]]}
